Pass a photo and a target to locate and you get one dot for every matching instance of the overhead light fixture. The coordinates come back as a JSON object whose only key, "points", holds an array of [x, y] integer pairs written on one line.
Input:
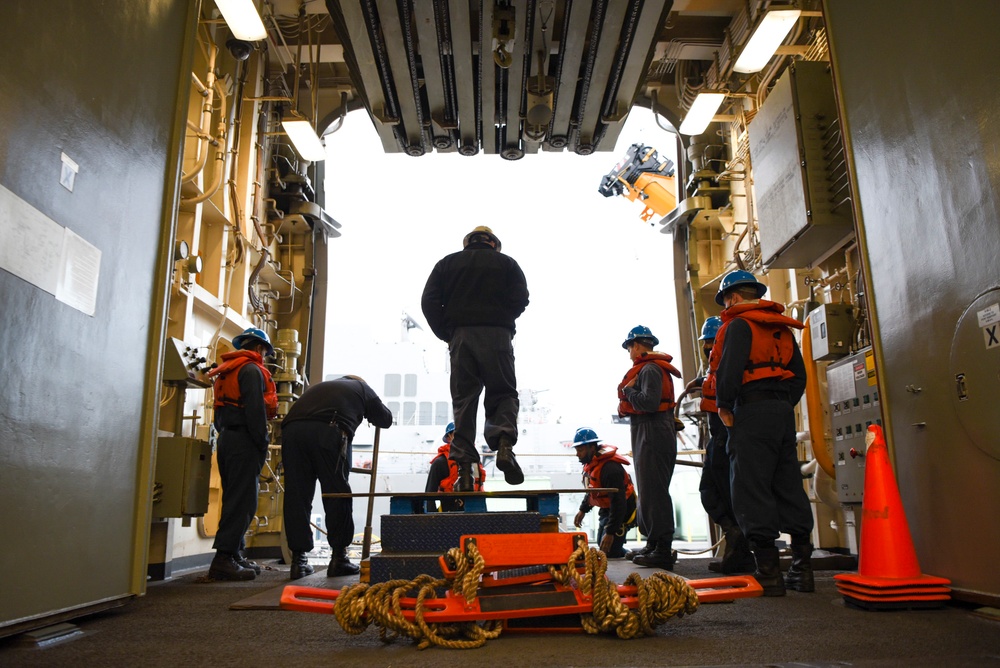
{"points": [[243, 19], [307, 143], [766, 38], [701, 113]]}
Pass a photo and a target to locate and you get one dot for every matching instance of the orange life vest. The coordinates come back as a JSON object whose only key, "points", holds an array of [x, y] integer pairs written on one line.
{"points": [[448, 484], [592, 476], [708, 392], [772, 344], [227, 383], [661, 360]]}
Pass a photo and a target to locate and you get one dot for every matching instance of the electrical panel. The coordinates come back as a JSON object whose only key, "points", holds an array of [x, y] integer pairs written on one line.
{"points": [[831, 330], [799, 170], [854, 406], [183, 468], [182, 364]]}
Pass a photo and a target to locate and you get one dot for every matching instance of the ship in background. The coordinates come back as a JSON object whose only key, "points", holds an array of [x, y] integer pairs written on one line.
{"points": [[412, 379]]}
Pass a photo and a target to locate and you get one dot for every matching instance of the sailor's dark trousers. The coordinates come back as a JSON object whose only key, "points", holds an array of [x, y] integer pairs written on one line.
{"points": [[654, 451], [314, 450], [240, 462], [766, 478], [482, 358], [714, 487]]}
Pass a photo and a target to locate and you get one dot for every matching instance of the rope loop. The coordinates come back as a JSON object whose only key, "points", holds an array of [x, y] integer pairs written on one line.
{"points": [[661, 596]]}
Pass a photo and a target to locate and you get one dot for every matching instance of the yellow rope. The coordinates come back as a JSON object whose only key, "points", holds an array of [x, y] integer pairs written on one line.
{"points": [[661, 597]]}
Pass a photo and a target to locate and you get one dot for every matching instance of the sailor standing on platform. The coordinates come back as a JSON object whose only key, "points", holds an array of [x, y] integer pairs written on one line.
{"points": [[471, 300]]}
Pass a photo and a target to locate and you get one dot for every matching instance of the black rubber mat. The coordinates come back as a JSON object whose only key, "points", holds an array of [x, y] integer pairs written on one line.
{"points": [[439, 532]]}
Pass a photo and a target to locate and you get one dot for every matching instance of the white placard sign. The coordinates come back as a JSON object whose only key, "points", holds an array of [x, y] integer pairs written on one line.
{"points": [[42, 252]]}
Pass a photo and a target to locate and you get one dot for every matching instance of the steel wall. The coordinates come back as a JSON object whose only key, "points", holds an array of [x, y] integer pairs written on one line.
{"points": [[98, 81], [918, 90]]}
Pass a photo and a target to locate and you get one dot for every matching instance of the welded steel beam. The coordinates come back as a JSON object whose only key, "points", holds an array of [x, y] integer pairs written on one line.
{"points": [[353, 29], [572, 42], [633, 72], [465, 75], [596, 87], [397, 49]]}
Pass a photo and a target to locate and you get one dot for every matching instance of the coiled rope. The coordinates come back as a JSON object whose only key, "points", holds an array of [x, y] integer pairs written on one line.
{"points": [[661, 597]]}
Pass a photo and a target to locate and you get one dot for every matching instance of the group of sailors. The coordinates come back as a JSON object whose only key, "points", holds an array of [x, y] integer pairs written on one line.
{"points": [[751, 484]]}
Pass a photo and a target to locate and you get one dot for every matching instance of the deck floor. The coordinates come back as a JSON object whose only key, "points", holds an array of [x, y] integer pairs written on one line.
{"points": [[189, 621]]}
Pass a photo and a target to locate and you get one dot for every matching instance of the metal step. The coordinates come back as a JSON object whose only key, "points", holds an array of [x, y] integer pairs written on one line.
{"points": [[439, 532]]}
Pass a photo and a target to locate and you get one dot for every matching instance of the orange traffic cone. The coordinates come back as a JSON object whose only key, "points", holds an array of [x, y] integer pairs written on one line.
{"points": [[889, 574]]}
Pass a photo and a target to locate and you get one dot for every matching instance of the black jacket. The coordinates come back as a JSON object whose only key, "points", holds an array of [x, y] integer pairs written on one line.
{"points": [[475, 286], [345, 401]]}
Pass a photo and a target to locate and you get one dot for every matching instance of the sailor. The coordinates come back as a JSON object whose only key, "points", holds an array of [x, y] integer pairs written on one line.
{"points": [[604, 467], [714, 487], [759, 378], [471, 300], [646, 396], [444, 474], [316, 438], [245, 398]]}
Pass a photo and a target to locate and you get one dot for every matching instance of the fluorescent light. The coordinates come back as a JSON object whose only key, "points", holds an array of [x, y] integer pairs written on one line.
{"points": [[702, 110], [242, 18], [304, 138], [766, 39]]}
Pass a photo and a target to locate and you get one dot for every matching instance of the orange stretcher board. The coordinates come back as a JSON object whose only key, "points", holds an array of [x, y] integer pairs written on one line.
{"points": [[515, 602]]}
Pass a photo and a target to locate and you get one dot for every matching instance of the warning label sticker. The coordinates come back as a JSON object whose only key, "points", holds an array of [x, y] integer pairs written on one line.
{"points": [[989, 315]]}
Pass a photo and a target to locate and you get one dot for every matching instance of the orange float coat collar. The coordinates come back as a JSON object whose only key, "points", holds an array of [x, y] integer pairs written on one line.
{"points": [[773, 344], [448, 484], [227, 384], [708, 392], [661, 360], [592, 476]]}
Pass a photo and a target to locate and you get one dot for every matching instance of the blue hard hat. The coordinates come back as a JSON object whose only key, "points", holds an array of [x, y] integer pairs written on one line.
{"points": [[253, 335], [639, 332], [450, 429], [585, 436], [710, 328], [736, 278]]}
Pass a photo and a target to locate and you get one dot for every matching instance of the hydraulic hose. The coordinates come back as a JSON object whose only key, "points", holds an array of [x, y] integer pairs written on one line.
{"points": [[817, 433]]}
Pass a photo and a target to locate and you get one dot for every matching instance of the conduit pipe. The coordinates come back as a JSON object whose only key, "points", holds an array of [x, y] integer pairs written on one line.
{"points": [[817, 433], [207, 91], [220, 155]]}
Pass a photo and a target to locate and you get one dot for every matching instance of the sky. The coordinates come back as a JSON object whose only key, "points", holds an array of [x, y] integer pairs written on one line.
{"points": [[594, 269]]}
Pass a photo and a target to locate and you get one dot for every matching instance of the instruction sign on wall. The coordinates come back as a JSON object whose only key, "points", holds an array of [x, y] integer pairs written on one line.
{"points": [[42, 252]]}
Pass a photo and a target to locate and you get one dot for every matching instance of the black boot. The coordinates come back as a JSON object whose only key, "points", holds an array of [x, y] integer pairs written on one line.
{"points": [[662, 556], [241, 559], [300, 566], [506, 462], [768, 572], [800, 574], [341, 565], [465, 482], [224, 567], [645, 549], [737, 557]]}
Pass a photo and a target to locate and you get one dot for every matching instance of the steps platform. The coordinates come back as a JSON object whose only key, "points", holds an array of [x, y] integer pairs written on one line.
{"points": [[543, 501], [413, 540]]}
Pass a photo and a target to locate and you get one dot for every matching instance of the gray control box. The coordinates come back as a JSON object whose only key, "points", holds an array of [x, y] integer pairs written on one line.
{"points": [[831, 329], [854, 406]]}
